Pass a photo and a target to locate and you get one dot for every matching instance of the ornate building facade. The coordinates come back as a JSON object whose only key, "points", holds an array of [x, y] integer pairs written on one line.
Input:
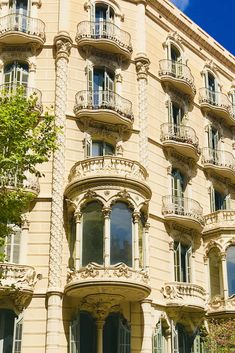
{"points": [[130, 242]]}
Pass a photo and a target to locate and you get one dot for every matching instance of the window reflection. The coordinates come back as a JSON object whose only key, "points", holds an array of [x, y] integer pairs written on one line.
{"points": [[231, 270], [121, 234], [92, 235]]}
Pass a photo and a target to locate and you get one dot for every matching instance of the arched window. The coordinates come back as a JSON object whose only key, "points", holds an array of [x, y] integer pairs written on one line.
{"points": [[182, 262], [215, 272], [16, 74], [116, 335], [175, 54], [92, 233], [121, 234], [10, 332], [231, 269]]}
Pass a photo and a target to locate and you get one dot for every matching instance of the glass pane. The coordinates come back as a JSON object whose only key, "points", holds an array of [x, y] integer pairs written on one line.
{"points": [[231, 270], [121, 234], [110, 334], [97, 148], [109, 149], [92, 237], [7, 319], [87, 334]]}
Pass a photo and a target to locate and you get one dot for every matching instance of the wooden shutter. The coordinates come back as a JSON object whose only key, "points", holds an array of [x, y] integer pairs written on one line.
{"points": [[188, 256], [17, 335], [74, 336], [175, 340], [212, 199], [177, 261]]}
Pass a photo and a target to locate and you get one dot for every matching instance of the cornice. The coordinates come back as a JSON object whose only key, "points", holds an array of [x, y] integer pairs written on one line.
{"points": [[193, 31]]}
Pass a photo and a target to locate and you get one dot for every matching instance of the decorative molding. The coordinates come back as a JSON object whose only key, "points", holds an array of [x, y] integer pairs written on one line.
{"points": [[63, 44], [142, 63], [100, 305]]}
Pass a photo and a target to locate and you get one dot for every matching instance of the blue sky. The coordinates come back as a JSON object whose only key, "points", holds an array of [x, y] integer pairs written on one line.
{"points": [[216, 17]]}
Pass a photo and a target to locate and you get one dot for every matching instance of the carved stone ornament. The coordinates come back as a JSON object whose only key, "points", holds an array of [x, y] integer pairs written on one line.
{"points": [[170, 292], [100, 305], [63, 44], [37, 3], [142, 66]]}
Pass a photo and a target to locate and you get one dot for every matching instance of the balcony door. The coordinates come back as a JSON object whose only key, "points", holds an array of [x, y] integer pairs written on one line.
{"points": [[101, 87], [176, 61], [16, 74], [175, 116], [10, 332], [102, 17], [20, 9], [177, 190], [212, 88], [213, 144]]}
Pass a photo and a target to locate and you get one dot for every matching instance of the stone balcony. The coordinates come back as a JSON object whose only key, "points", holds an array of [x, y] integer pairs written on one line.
{"points": [[181, 138], [8, 90], [104, 106], [189, 296], [21, 29], [219, 305], [119, 280], [108, 169], [217, 104], [16, 285], [178, 75], [14, 181], [184, 211], [219, 162], [222, 220], [105, 36]]}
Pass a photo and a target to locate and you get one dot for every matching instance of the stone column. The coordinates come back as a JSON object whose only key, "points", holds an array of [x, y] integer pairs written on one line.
{"points": [[142, 66], [100, 325], [146, 246], [136, 217], [147, 329], [63, 44], [106, 213], [224, 275], [78, 216]]}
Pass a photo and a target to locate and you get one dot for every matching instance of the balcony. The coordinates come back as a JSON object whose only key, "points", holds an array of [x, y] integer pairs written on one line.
{"points": [[187, 296], [12, 181], [219, 305], [16, 284], [120, 280], [222, 220], [8, 90], [216, 103], [219, 162], [104, 106], [184, 211], [108, 169], [105, 36], [182, 138], [20, 29], [178, 75]]}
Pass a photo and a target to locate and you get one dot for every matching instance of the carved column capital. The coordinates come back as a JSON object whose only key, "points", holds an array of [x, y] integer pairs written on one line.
{"points": [[78, 216], [101, 305], [106, 211], [136, 217], [63, 44], [223, 256], [142, 66]]}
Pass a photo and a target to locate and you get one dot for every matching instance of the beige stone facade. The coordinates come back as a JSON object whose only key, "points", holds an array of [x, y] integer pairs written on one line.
{"points": [[130, 243]]}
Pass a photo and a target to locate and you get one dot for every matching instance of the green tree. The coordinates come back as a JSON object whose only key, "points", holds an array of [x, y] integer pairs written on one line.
{"points": [[26, 141], [220, 336]]}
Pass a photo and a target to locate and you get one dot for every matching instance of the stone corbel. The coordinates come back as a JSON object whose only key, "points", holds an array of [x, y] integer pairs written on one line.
{"points": [[4, 3], [142, 63], [63, 44]]}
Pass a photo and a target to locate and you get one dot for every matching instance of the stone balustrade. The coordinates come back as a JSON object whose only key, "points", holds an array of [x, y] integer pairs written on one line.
{"points": [[184, 294], [14, 180], [219, 219], [108, 166]]}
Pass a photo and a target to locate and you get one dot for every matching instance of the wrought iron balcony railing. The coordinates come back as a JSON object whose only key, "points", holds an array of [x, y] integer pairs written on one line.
{"points": [[15, 180], [95, 100], [104, 30], [218, 158], [177, 70], [179, 133], [215, 98], [21, 23], [9, 89], [182, 206]]}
